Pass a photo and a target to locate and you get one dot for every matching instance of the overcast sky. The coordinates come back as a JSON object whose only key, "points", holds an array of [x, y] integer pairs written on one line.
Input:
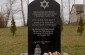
{"points": [[18, 15], [15, 6]]}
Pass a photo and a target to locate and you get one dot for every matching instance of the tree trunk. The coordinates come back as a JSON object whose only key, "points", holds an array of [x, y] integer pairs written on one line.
{"points": [[23, 16], [84, 8], [62, 16], [74, 2], [69, 10], [6, 21]]}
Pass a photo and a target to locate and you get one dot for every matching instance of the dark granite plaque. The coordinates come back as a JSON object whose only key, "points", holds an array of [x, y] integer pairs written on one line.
{"points": [[44, 27]]}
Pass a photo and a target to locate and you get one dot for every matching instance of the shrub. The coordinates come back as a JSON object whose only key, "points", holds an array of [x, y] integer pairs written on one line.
{"points": [[80, 29], [13, 27]]}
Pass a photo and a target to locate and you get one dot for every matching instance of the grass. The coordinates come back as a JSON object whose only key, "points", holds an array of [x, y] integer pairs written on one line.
{"points": [[13, 45], [71, 42]]}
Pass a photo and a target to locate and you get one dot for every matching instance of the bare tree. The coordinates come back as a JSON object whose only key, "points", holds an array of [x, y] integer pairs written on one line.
{"points": [[69, 10], [1, 20], [7, 16], [62, 16], [74, 1], [22, 10], [10, 11], [84, 7]]}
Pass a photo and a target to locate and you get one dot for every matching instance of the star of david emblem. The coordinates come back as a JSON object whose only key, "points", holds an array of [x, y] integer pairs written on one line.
{"points": [[44, 4]]}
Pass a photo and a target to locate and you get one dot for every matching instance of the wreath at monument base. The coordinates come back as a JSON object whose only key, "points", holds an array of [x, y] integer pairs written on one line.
{"points": [[54, 53]]}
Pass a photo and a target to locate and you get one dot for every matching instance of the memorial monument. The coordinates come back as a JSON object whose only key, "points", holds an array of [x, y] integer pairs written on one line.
{"points": [[44, 27]]}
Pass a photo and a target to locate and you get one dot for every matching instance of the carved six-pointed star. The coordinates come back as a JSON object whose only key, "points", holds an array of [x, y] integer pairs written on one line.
{"points": [[44, 2]]}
